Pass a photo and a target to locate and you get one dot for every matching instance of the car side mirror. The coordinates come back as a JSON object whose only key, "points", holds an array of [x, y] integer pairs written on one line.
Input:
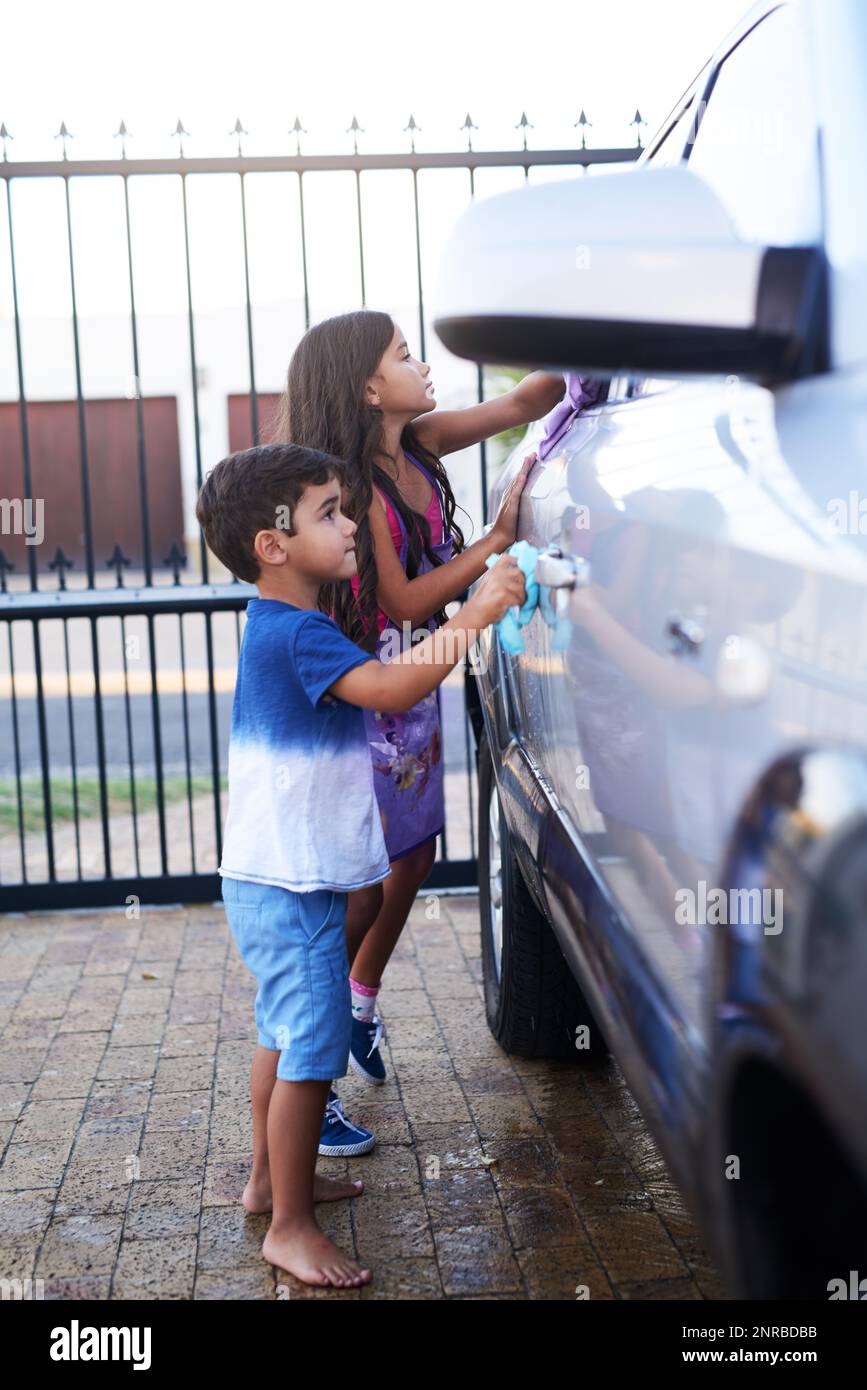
{"points": [[634, 271]]}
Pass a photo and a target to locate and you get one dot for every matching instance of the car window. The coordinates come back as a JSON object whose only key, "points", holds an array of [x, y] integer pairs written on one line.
{"points": [[756, 143], [651, 385], [618, 389], [669, 150], [671, 147]]}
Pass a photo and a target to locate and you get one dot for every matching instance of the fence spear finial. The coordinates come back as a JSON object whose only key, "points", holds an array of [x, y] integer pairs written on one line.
{"points": [[468, 126], [355, 128], [298, 130], [524, 125], [116, 561], [177, 560], [5, 567], [4, 136], [412, 128], [123, 133], [61, 563], [238, 129], [638, 122], [583, 122], [64, 135], [179, 133]]}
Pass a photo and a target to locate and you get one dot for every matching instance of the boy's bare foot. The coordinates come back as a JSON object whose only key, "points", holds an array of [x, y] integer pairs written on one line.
{"points": [[257, 1196], [304, 1251], [335, 1189]]}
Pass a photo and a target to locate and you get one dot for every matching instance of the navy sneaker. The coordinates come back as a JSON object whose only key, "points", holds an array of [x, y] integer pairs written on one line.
{"points": [[339, 1137], [364, 1056]]}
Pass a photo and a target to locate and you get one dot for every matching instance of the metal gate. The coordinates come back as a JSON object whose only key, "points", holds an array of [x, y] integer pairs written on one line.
{"points": [[116, 668]]}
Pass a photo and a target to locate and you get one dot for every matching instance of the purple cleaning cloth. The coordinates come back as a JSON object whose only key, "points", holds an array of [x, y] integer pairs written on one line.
{"points": [[581, 391]]}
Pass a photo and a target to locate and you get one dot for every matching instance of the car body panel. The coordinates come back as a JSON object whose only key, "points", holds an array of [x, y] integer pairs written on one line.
{"points": [[630, 771]]}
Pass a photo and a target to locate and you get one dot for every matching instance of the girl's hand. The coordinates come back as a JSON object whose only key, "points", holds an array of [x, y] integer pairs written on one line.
{"points": [[505, 528], [502, 588]]}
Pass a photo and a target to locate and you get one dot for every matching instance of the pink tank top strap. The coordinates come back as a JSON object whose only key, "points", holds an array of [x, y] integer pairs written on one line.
{"points": [[435, 512], [434, 516], [393, 523]]}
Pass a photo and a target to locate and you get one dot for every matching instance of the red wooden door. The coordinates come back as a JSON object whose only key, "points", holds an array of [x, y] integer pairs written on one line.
{"points": [[113, 472], [241, 419]]}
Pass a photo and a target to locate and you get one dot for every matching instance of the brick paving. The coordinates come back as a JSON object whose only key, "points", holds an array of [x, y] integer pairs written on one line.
{"points": [[125, 1048]]}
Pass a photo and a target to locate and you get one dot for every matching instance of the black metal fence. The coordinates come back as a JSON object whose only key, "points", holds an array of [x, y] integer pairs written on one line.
{"points": [[114, 705]]}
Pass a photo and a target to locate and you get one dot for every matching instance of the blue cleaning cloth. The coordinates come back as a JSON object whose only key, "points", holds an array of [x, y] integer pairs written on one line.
{"points": [[516, 618], [526, 555]]}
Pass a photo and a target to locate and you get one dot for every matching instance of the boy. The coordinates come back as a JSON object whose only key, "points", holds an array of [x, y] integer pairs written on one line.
{"points": [[303, 829]]}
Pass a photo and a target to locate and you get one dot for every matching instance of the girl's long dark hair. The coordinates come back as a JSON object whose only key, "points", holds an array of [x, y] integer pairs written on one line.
{"points": [[324, 407]]}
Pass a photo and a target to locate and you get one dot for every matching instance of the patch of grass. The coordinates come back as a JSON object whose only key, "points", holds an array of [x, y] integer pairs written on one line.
{"points": [[62, 804]]}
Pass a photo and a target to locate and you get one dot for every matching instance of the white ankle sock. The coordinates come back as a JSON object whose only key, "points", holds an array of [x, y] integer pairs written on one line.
{"points": [[363, 1000]]}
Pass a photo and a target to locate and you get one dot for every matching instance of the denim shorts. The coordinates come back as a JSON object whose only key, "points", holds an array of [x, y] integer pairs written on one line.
{"points": [[294, 945]]}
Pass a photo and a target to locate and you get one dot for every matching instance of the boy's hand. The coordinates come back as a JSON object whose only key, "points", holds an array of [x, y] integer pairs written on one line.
{"points": [[504, 531], [499, 590]]}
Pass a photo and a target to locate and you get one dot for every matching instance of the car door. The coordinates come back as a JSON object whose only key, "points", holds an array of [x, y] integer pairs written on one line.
{"points": [[613, 697]]}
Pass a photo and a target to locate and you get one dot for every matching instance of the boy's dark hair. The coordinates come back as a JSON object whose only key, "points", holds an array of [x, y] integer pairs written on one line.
{"points": [[255, 490]]}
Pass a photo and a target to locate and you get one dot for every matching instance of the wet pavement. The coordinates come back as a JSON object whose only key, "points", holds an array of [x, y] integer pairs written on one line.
{"points": [[125, 1048]]}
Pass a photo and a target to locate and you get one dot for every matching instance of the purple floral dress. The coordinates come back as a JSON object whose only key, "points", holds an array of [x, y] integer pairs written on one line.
{"points": [[406, 749]]}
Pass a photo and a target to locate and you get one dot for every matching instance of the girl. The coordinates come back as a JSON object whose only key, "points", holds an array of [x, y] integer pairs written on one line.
{"points": [[354, 389]]}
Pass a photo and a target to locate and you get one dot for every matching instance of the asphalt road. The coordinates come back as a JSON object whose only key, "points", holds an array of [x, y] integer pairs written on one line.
{"points": [[171, 723]]}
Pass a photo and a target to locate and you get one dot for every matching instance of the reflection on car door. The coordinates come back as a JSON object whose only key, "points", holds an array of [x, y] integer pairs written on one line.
{"points": [[622, 723], [793, 672]]}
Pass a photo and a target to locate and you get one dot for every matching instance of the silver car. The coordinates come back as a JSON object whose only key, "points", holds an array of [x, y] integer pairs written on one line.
{"points": [[673, 772]]}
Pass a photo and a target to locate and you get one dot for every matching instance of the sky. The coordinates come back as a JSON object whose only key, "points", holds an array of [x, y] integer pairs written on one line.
{"points": [[93, 63]]}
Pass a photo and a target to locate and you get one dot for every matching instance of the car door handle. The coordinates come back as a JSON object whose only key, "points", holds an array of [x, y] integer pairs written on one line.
{"points": [[558, 575], [557, 569], [686, 636]]}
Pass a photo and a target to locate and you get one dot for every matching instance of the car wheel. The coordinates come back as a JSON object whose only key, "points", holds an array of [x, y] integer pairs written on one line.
{"points": [[532, 1001]]}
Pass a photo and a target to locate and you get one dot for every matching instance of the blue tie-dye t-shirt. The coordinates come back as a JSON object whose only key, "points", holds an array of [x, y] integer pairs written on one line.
{"points": [[302, 808]]}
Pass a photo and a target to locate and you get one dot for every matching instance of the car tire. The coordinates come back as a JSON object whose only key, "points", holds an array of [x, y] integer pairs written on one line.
{"points": [[532, 1001]]}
